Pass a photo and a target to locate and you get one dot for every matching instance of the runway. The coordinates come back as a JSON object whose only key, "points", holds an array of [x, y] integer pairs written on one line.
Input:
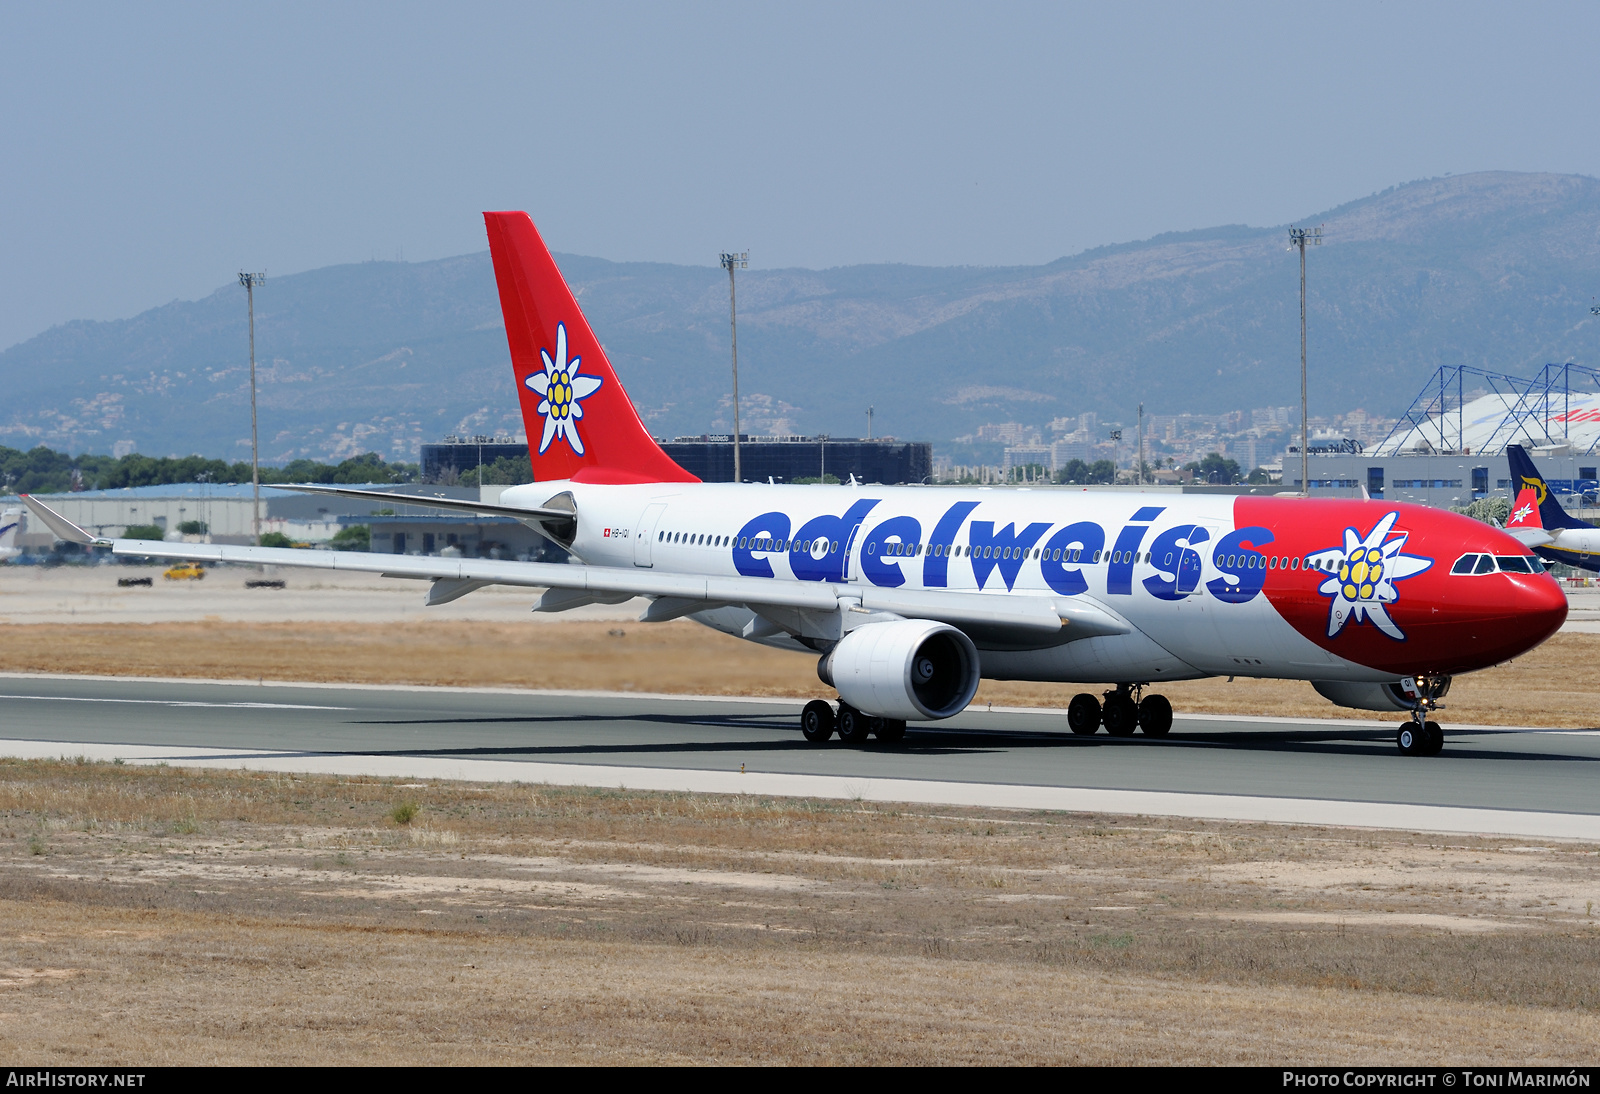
{"points": [[1490, 779]]}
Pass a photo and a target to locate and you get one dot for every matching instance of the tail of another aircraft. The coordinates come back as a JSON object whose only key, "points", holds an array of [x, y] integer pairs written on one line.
{"points": [[581, 424], [10, 528], [1525, 477]]}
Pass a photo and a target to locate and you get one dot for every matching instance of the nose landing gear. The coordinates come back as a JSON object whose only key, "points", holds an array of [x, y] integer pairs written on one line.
{"points": [[1421, 736]]}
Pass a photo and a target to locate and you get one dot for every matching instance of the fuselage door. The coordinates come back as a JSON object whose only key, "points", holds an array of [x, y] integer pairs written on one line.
{"points": [[645, 535], [852, 572]]}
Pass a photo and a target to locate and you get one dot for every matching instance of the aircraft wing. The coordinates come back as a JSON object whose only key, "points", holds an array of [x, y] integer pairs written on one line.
{"points": [[1530, 537], [1027, 618], [458, 504]]}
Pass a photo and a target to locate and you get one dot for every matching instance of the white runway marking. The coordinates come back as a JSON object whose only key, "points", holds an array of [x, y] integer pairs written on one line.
{"points": [[1392, 815], [166, 702]]}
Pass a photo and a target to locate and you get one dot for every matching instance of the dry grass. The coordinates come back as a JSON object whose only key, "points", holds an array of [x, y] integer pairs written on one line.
{"points": [[164, 916], [1552, 686]]}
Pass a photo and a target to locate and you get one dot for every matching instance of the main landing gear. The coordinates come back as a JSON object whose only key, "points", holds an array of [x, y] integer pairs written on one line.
{"points": [[818, 722], [1121, 714]]}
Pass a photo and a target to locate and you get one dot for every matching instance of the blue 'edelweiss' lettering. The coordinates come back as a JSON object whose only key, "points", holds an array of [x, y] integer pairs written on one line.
{"points": [[1074, 544], [936, 560], [1119, 576], [1246, 569], [830, 538], [1004, 550], [1173, 554], [764, 535], [889, 540]]}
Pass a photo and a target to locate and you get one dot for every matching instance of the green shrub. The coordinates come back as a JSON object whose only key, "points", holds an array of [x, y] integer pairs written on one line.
{"points": [[144, 531], [193, 527], [356, 537], [404, 813], [275, 539]]}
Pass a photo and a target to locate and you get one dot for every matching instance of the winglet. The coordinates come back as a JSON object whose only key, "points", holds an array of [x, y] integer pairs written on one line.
{"points": [[60, 525]]}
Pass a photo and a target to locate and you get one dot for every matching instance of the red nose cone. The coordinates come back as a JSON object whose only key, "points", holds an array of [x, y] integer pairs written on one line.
{"points": [[1520, 614]]}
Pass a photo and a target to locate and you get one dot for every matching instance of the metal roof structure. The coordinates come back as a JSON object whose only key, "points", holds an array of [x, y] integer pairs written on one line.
{"points": [[1537, 412]]}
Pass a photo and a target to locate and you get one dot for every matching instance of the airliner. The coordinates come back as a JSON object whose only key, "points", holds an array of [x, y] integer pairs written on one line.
{"points": [[908, 596], [1538, 521]]}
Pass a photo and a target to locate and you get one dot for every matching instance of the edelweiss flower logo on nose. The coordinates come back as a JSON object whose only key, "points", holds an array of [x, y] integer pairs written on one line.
{"points": [[1361, 576], [561, 390]]}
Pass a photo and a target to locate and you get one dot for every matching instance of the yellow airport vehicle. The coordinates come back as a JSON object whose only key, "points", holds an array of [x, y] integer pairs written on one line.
{"points": [[185, 571]]}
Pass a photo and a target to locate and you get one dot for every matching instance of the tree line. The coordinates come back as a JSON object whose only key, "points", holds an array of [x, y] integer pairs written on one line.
{"points": [[43, 470]]}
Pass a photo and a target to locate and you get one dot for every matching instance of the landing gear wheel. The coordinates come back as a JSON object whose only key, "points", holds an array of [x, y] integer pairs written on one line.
{"points": [[1120, 714], [1083, 715], [1155, 716], [854, 727], [891, 730], [816, 721], [1434, 743], [1411, 739]]}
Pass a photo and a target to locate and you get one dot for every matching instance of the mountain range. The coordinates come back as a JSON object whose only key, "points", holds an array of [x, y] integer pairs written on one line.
{"points": [[1497, 270]]}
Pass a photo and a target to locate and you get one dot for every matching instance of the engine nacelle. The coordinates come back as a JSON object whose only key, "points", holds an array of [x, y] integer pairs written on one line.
{"points": [[1388, 696], [910, 669]]}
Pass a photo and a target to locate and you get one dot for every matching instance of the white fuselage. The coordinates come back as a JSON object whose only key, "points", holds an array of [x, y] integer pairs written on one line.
{"points": [[1113, 549]]}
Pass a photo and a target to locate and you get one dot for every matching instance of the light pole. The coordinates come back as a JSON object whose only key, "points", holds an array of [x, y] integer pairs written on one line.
{"points": [[1141, 445], [1299, 237], [869, 423], [250, 281], [731, 262]]}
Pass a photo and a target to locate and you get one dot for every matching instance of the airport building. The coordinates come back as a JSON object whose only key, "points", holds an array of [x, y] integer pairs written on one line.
{"points": [[1449, 448], [709, 458]]}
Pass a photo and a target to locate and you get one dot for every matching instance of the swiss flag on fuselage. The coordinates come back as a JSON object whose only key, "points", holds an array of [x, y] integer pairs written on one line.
{"points": [[1525, 511], [581, 424]]}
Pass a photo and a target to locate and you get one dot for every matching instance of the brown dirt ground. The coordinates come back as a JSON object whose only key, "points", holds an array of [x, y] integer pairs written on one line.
{"points": [[162, 916], [1553, 685]]}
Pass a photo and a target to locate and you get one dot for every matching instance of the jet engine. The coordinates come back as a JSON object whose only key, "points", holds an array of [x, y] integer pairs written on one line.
{"points": [[910, 669], [1389, 695]]}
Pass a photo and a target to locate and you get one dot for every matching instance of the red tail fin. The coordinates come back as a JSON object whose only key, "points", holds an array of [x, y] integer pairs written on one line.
{"points": [[581, 424], [1525, 513]]}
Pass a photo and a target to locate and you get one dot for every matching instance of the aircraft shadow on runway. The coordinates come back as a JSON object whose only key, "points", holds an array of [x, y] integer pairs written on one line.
{"points": [[924, 740]]}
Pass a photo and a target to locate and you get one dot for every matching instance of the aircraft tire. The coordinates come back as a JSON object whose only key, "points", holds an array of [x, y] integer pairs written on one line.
{"points": [[1155, 716], [854, 726], [890, 730], [1434, 744], [1410, 739], [1083, 715], [1120, 715], [816, 721]]}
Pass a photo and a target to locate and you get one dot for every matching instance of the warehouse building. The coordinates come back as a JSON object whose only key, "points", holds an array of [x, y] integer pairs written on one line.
{"points": [[709, 458]]}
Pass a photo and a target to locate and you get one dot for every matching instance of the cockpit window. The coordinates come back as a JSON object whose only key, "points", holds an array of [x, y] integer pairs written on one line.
{"points": [[1464, 564], [1485, 564], [1514, 564]]}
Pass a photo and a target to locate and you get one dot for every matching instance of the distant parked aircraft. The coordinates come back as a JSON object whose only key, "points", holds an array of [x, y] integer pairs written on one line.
{"points": [[10, 528], [1538, 520]]}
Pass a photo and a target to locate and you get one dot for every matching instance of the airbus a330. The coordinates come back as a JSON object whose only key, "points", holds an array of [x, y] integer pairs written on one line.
{"points": [[909, 596]]}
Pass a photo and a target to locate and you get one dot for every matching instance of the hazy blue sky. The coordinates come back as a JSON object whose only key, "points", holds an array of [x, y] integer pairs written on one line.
{"points": [[148, 151]]}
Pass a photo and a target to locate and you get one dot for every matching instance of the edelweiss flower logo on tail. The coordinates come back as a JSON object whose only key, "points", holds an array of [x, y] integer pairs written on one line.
{"points": [[1361, 577], [561, 389]]}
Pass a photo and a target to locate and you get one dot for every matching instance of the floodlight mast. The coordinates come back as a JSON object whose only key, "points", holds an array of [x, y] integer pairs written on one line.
{"points": [[1299, 237], [250, 281], [731, 262]]}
